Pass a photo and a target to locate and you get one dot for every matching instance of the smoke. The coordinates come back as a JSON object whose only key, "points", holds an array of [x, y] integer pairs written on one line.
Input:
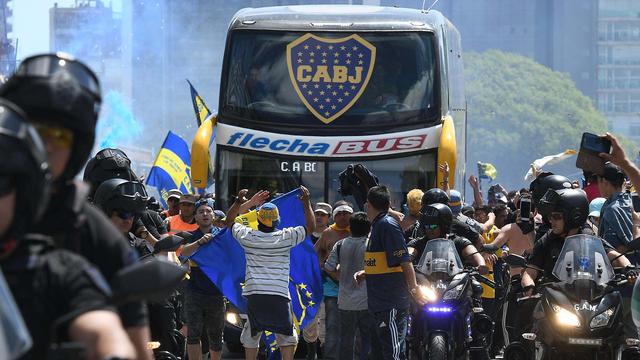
{"points": [[117, 126]]}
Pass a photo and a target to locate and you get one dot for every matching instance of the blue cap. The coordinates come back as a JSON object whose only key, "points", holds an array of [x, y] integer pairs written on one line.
{"points": [[595, 205], [206, 201], [455, 201]]}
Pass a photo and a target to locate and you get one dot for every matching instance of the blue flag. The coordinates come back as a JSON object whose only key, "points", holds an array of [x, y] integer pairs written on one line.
{"points": [[172, 168], [223, 261]]}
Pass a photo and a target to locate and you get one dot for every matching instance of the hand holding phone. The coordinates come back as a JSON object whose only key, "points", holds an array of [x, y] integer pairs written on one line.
{"points": [[590, 148], [525, 209]]}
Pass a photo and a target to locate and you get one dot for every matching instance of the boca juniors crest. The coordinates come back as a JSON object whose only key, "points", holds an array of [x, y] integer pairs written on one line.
{"points": [[330, 75]]}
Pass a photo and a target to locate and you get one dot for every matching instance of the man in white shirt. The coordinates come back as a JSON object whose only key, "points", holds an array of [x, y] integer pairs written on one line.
{"points": [[266, 287]]}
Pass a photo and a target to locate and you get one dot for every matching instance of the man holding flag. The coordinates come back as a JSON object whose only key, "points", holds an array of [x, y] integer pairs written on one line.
{"points": [[266, 287]]}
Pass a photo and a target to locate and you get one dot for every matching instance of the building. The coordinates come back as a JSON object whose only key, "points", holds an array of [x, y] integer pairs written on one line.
{"points": [[91, 32], [7, 46], [619, 65], [558, 34]]}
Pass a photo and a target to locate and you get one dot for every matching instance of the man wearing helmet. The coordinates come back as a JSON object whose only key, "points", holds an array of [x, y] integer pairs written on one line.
{"points": [[61, 97], [122, 200], [436, 220], [58, 292], [567, 212]]}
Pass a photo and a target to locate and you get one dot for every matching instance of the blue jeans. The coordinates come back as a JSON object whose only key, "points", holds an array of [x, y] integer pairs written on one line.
{"points": [[391, 328], [332, 326], [350, 321]]}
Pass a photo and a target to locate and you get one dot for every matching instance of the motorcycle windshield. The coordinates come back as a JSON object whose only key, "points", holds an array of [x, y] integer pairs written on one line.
{"points": [[440, 256], [583, 258]]}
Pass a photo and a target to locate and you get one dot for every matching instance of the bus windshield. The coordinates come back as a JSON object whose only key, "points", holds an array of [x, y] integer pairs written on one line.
{"points": [[402, 90], [238, 170]]}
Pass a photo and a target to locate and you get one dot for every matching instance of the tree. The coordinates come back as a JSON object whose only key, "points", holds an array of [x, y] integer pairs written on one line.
{"points": [[519, 111]]}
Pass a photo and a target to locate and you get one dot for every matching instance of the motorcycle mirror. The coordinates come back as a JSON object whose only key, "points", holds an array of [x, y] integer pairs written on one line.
{"points": [[516, 260], [151, 280], [169, 243]]}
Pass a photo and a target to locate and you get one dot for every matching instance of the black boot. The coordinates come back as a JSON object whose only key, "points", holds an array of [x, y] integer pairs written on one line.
{"points": [[311, 350]]}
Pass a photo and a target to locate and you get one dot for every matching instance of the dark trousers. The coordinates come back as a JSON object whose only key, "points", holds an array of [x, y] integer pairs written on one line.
{"points": [[332, 328], [162, 324], [391, 329], [350, 321]]}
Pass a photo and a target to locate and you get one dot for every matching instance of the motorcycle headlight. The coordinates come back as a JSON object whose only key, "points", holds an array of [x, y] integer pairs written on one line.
{"points": [[453, 293], [233, 319], [565, 317], [428, 293], [601, 319]]}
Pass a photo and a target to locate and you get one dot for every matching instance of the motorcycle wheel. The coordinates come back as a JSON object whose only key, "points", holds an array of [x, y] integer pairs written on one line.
{"points": [[437, 349]]}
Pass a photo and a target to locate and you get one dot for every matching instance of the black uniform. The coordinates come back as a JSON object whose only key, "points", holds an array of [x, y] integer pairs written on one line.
{"points": [[460, 228], [52, 288], [78, 226], [546, 250], [420, 244], [153, 222]]}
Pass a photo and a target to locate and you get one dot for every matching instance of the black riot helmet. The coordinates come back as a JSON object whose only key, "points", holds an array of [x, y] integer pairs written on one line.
{"points": [[107, 164], [546, 181], [437, 214], [572, 203], [434, 196], [121, 195], [59, 91], [23, 169]]}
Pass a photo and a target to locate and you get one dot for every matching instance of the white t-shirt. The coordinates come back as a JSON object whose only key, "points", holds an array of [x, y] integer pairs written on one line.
{"points": [[268, 258]]}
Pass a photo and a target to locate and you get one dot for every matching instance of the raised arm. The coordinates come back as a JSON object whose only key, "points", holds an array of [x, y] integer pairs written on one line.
{"points": [[309, 218], [477, 194], [618, 157], [234, 211]]}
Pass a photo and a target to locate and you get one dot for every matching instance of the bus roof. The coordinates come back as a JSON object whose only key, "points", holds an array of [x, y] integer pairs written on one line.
{"points": [[336, 18]]}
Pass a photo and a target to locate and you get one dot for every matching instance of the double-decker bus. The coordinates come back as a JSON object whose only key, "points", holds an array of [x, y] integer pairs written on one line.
{"points": [[307, 90]]}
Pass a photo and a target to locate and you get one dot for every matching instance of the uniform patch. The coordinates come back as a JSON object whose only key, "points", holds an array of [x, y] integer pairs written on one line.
{"points": [[329, 75]]}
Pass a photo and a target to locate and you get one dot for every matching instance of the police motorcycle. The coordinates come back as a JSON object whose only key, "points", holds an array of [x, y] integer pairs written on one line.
{"points": [[579, 316], [452, 324]]}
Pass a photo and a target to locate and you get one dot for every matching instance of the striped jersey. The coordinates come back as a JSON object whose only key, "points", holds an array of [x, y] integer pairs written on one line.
{"points": [[268, 258]]}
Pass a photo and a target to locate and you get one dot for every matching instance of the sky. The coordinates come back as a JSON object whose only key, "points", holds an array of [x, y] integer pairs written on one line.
{"points": [[31, 23]]}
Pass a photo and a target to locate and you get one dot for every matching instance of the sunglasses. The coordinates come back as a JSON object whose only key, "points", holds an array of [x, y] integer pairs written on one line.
{"points": [[124, 215], [58, 137], [7, 184], [556, 216]]}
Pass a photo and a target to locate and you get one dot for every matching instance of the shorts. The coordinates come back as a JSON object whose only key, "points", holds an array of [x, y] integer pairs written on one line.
{"points": [[268, 312], [253, 342], [205, 310]]}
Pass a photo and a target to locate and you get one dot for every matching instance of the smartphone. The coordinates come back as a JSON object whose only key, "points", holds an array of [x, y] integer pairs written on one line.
{"points": [[525, 209], [590, 146], [635, 199]]}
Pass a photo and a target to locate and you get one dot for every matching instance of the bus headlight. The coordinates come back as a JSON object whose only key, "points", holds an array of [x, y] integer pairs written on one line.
{"points": [[601, 319]]}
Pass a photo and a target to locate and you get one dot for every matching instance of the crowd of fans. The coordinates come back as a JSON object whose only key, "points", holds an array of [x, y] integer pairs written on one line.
{"points": [[83, 237]]}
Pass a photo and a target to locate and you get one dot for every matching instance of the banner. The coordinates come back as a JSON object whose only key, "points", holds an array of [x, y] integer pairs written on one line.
{"points": [[172, 167], [537, 165]]}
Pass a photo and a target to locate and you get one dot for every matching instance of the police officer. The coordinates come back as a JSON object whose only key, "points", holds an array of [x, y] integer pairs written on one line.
{"points": [[60, 295], [61, 97], [436, 220], [122, 200], [538, 188], [114, 163], [459, 226]]}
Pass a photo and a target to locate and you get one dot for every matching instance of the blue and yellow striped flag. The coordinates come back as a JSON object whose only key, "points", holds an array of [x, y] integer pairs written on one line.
{"points": [[200, 108], [172, 168]]}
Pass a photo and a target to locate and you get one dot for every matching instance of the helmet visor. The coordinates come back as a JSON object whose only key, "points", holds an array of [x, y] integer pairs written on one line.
{"points": [[50, 65], [132, 189]]}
